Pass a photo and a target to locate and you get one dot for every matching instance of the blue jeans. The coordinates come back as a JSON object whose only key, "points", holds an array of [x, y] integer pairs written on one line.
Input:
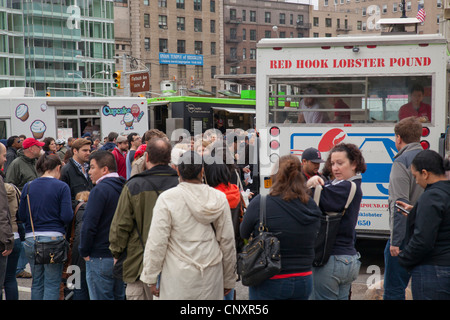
{"points": [[396, 278], [294, 288], [10, 285], [430, 282], [334, 280], [46, 277], [100, 280]]}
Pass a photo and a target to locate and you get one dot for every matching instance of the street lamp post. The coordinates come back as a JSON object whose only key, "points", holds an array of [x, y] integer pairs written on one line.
{"points": [[82, 79]]}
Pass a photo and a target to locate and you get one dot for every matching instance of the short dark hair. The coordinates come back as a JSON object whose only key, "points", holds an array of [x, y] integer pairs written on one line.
{"points": [[159, 151], [417, 87], [104, 159], [431, 161], [47, 162], [112, 136], [191, 164], [11, 140], [216, 174]]}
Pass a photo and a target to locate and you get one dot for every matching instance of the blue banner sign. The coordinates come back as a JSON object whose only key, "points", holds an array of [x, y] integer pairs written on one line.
{"points": [[179, 58]]}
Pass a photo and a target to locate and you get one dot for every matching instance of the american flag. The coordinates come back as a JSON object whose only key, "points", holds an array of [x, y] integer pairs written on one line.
{"points": [[421, 14]]}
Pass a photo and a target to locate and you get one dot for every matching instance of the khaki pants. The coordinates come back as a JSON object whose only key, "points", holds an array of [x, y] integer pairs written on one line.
{"points": [[138, 291]]}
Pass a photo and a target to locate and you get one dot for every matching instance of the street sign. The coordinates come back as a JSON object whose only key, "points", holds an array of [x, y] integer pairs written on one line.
{"points": [[139, 82]]}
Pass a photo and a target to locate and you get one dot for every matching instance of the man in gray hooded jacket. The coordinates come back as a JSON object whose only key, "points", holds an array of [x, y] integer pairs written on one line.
{"points": [[402, 186]]}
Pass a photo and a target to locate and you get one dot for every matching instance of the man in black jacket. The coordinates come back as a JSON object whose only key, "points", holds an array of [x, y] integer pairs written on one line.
{"points": [[75, 172]]}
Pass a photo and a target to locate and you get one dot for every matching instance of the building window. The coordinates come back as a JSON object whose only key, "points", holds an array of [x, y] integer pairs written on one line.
{"points": [[197, 5], [198, 47], [232, 14], [181, 71], [268, 34], [147, 44], [252, 35], [198, 72], [163, 45], [164, 71], [328, 22], [244, 53], [198, 25], [181, 46], [212, 6], [252, 16], [244, 34], [162, 22], [146, 2], [213, 48], [316, 21], [181, 23], [146, 20], [267, 17], [162, 3], [212, 26], [252, 54], [180, 4], [244, 15], [282, 18]]}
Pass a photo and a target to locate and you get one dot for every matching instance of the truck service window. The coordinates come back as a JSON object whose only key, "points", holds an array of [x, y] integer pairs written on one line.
{"points": [[357, 100]]}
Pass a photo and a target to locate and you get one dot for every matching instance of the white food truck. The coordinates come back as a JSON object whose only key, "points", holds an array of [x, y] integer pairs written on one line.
{"points": [[358, 85], [63, 117]]}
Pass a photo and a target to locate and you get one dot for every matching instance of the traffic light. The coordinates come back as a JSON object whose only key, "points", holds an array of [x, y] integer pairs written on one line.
{"points": [[48, 94], [117, 75]]}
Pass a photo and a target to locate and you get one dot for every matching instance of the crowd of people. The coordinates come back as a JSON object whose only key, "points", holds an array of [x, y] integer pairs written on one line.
{"points": [[148, 218]]}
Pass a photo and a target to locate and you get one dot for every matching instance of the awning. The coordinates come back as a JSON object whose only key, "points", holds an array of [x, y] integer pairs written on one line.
{"points": [[236, 110]]}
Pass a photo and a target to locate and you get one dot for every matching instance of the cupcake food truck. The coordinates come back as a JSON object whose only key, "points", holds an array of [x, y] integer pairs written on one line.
{"points": [[64, 117]]}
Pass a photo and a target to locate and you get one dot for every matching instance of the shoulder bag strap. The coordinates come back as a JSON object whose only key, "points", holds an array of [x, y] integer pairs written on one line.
{"points": [[72, 233], [317, 192], [29, 210], [351, 194], [262, 213]]}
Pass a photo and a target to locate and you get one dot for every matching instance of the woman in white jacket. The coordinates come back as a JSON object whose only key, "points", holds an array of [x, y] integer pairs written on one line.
{"points": [[191, 239]]}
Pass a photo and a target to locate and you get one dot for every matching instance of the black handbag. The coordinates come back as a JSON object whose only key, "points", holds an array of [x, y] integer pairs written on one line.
{"points": [[52, 252], [260, 258], [329, 227]]}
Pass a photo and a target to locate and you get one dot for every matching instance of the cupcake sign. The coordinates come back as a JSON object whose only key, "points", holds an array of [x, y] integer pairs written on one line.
{"points": [[22, 112], [38, 128], [130, 115]]}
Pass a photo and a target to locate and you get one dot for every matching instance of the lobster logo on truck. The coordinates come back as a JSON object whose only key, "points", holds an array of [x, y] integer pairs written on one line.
{"points": [[378, 150]]}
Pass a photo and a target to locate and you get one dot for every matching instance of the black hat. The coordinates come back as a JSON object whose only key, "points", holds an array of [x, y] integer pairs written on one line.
{"points": [[312, 155]]}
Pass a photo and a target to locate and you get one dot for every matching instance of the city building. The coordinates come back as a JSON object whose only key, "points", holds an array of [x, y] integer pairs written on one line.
{"points": [[338, 17], [12, 51], [248, 21], [57, 47], [177, 41]]}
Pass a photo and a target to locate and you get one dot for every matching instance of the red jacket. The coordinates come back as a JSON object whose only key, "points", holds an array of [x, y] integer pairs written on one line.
{"points": [[121, 161]]}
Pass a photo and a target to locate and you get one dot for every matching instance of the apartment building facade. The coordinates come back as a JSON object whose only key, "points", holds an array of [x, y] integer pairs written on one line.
{"points": [[338, 17], [176, 40], [248, 21]]}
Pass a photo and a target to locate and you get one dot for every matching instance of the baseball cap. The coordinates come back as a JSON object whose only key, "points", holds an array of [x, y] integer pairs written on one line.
{"points": [[313, 155], [121, 139], [29, 142]]}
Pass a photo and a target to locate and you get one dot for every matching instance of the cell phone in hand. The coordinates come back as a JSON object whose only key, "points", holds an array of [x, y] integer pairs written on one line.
{"points": [[401, 208]]}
